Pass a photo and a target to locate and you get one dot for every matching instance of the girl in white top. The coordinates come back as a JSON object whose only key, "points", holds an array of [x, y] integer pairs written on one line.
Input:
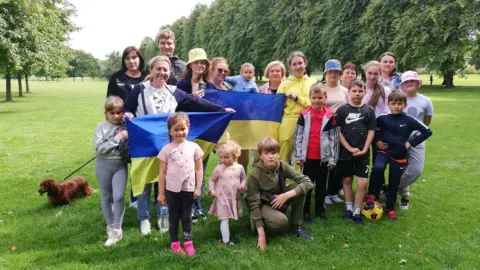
{"points": [[377, 94]]}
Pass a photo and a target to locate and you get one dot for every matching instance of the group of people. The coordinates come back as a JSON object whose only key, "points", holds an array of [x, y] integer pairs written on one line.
{"points": [[327, 128]]}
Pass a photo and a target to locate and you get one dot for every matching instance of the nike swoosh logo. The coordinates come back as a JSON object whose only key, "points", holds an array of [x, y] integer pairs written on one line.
{"points": [[348, 121], [403, 125]]}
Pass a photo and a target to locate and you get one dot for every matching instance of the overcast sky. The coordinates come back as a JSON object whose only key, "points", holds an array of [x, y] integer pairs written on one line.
{"points": [[109, 25]]}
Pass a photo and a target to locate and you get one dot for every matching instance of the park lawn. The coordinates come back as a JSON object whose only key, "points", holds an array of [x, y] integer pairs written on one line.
{"points": [[48, 133]]}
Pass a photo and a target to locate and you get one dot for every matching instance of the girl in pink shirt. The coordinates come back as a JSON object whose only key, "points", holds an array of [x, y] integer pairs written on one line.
{"points": [[227, 179], [180, 165]]}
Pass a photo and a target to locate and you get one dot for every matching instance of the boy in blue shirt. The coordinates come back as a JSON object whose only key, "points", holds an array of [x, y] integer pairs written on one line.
{"points": [[244, 82], [392, 141]]}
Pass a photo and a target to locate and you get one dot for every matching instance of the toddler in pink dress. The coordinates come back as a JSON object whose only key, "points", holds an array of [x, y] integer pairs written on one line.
{"points": [[227, 179]]}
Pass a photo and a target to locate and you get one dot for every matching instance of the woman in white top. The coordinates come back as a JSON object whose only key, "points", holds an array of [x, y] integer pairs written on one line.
{"points": [[377, 94], [337, 95]]}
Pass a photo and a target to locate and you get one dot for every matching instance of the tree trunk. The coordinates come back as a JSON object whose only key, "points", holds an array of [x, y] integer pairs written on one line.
{"points": [[448, 79], [20, 89], [8, 80], [27, 85], [73, 78]]}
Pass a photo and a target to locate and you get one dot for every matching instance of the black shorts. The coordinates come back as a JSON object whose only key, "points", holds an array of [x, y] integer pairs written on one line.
{"points": [[359, 167]]}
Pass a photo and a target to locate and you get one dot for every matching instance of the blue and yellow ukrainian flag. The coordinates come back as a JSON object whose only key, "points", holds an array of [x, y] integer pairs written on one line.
{"points": [[257, 115], [148, 134]]}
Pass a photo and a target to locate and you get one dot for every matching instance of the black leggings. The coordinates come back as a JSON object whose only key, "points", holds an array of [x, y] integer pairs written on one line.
{"points": [[394, 175], [335, 181], [317, 172], [180, 208]]}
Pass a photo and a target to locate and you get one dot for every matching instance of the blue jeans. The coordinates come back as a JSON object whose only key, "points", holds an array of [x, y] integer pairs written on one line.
{"points": [[143, 211], [197, 203]]}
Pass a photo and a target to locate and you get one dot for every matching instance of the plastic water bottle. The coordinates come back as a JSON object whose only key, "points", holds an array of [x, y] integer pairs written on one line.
{"points": [[163, 223]]}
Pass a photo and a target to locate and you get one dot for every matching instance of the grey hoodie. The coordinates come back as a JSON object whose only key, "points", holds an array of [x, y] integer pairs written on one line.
{"points": [[107, 141]]}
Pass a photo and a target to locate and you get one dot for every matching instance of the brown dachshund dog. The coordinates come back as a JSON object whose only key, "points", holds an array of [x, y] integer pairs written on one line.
{"points": [[64, 193]]}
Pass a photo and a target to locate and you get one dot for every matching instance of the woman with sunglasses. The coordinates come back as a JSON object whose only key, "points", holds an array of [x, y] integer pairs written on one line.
{"points": [[218, 71]]}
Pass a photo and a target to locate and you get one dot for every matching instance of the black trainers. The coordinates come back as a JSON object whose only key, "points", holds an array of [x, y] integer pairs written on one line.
{"points": [[200, 214], [404, 204], [357, 219], [348, 215], [229, 243], [299, 232], [194, 217], [307, 219]]}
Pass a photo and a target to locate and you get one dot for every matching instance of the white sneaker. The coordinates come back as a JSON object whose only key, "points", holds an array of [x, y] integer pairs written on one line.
{"points": [[114, 235], [145, 227], [336, 199], [327, 200], [133, 204]]}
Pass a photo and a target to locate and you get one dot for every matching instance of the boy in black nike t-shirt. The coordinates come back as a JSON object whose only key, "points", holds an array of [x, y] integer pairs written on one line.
{"points": [[356, 124]]}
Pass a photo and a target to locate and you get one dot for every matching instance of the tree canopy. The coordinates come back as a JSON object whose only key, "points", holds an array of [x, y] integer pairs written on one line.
{"points": [[436, 35], [33, 37]]}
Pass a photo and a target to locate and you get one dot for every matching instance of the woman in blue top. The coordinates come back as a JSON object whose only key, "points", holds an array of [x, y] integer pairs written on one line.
{"points": [[390, 77], [195, 77], [195, 81]]}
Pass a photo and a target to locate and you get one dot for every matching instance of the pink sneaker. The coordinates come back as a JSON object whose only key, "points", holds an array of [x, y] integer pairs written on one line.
{"points": [[175, 248], [189, 248]]}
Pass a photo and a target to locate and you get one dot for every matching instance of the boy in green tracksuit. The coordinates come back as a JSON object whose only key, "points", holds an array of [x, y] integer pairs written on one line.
{"points": [[268, 195]]}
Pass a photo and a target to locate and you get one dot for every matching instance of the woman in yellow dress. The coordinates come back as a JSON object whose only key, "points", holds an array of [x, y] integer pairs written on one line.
{"points": [[296, 88]]}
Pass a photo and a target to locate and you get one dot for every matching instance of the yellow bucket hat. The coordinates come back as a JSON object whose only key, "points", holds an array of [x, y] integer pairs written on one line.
{"points": [[197, 54]]}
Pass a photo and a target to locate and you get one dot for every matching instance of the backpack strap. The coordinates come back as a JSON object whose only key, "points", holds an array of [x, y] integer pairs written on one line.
{"points": [[143, 101], [281, 179]]}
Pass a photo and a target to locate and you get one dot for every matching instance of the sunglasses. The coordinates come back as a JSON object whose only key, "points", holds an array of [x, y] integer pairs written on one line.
{"points": [[223, 71]]}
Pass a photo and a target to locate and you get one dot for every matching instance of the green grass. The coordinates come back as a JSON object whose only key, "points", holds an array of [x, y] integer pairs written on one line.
{"points": [[48, 133]]}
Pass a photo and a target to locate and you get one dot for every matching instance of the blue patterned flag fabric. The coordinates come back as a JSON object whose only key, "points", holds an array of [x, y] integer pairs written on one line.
{"points": [[148, 134]]}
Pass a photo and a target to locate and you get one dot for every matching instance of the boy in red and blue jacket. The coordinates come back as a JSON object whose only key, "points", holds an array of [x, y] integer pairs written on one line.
{"points": [[392, 141], [316, 147]]}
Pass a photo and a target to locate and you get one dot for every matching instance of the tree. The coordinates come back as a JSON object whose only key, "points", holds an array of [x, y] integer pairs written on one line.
{"points": [[83, 64], [378, 28], [177, 28], [341, 30], [287, 22], [435, 34], [188, 36], [14, 28], [33, 35], [112, 64], [148, 48], [264, 35]]}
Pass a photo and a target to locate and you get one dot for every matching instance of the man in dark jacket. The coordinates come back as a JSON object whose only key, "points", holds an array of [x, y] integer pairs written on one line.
{"points": [[166, 43]]}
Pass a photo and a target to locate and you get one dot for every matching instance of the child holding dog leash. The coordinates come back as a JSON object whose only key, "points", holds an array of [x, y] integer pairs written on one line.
{"points": [[316, 147], [111, 166]]}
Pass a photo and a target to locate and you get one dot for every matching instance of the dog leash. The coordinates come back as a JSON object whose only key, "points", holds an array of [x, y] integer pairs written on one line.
{"points": [[79, 168]]}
